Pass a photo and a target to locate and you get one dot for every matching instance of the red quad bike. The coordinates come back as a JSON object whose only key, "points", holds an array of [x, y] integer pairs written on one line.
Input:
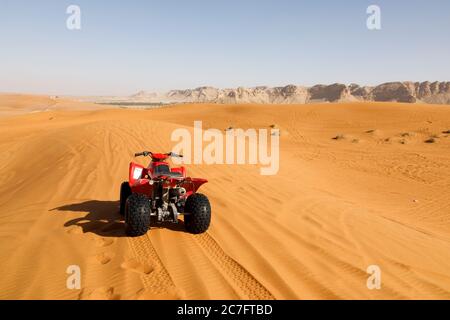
{"points": [[162, 193]]}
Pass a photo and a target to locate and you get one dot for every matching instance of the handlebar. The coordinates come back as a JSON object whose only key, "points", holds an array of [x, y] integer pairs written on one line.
{"points": [[175, 155], [144, 153], [149, 153]]}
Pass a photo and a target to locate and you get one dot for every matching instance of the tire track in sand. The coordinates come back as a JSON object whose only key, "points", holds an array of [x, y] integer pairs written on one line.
{"points": [[158, 281], [247, 285]]}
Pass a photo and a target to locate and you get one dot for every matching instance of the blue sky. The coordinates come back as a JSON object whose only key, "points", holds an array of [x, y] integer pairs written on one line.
{"points": [[127, 46]]}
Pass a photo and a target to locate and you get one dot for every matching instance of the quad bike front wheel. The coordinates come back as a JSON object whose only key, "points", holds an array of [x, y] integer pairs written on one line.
{"points": [[137, 214], [199, 213], [125, 192]]}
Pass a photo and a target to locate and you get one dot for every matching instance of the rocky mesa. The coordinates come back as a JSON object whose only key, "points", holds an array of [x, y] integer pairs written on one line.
{"points": [[406, 92]]}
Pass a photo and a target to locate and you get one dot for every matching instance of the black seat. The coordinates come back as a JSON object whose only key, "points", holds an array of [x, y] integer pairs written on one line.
{"points": [[164, 170]]}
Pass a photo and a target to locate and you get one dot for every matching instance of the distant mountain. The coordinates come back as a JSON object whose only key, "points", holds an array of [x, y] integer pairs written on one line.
{"points": [[408, 92]]}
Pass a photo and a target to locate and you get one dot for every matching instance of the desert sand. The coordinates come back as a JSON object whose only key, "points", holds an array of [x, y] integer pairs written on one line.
{"points": [[357, 186]]}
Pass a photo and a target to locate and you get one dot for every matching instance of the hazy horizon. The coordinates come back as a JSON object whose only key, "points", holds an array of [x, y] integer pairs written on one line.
{"points": [[157, 46]]}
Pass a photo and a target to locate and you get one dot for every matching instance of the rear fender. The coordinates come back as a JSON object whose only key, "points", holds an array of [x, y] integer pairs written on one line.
{"points": [[193, 184]]}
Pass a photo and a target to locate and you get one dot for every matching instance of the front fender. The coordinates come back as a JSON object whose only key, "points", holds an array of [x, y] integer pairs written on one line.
{"points": [[135, 173]]}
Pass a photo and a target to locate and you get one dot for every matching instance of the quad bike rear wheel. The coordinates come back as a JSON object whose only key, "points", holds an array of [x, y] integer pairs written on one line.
{"points": [[125, 192], [199, 217], [137, 214]]}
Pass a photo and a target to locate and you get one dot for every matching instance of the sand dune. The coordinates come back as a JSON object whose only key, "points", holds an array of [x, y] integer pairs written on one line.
{"points": [[17, 104], [377, 195]]}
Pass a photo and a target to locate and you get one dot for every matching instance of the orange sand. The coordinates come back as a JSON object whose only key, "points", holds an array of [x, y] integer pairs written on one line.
{"points": [[376, 195]]}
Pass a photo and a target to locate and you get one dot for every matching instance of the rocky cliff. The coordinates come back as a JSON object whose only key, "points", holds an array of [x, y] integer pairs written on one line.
{"points": [[407, 92]]}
